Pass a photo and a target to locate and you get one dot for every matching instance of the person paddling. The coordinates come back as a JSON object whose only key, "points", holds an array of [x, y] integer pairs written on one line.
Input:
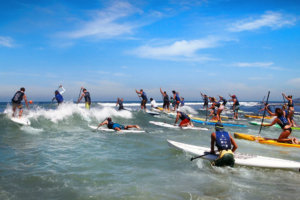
{"points": [[87, 98], [205, 100], [17, 100], [176, 99], [185, 119], [166, 104], [235, 106], [120, 103], [142, 94], [284, 124], [291, 109], [117, 127], [225, 144], [58, 95]]}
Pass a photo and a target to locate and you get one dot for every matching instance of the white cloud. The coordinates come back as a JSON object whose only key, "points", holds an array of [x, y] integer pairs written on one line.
{"points": [[105, 23], [6, 41], [274, 20], [268, 65], [295, 81], [178, 51]]}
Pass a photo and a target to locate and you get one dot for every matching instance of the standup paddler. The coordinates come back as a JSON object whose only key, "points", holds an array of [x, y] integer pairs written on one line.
{"points": [[166, 105], [58, 95], [282, 121], [120, 103], [205, 99], [185, 119], [225, 144], [87, 98], [117, 127], [142, 94], [16, 102], [235, 106]]}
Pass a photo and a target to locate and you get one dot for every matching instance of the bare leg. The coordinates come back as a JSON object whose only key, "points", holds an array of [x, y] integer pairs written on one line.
{"points": [[132, 126], [284, 137]]}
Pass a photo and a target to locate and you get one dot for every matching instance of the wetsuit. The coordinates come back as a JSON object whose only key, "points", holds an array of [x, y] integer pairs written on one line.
{"points": [[223, 144], [17, 99], [166, 101], [87, 99], [205, 99], [144, 99], [120, 102]]}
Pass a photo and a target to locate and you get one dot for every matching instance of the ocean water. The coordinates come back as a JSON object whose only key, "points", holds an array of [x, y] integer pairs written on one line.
{"points": [[60, 157]]}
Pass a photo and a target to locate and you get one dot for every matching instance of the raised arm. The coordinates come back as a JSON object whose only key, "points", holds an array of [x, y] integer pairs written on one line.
{"points": [[161, 92]]}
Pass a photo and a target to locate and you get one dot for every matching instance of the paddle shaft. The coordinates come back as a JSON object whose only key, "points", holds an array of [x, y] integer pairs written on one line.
{"points": [[262, 121], [79, 95]]}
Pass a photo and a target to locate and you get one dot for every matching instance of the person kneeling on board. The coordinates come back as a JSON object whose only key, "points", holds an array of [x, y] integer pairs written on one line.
{"points": [[185, 120], [153, 103], [223, 141], [117, 127], [282, 121]]}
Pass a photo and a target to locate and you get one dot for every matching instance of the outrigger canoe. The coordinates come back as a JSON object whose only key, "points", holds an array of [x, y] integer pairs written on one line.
{"points": [[263, 140]]}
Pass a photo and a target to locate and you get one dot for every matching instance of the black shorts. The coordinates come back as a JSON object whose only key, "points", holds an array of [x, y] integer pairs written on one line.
{"points": [[166, 104], [143, 102]]}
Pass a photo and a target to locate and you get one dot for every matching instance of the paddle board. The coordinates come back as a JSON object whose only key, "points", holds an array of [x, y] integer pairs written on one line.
{"points": [[112, 130], [275, 125], [259, 117], [162, 124], [213, 123], [263, 140], [240, 159], [152, 112], [22, 121]]}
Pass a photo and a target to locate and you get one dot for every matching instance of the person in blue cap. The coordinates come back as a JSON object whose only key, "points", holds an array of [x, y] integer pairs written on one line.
{"points": [[225, 144]]}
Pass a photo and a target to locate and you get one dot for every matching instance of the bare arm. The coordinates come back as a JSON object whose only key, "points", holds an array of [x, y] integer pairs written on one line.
{"points": [[25, 99], [235, 146], [212, 143], [177, 117], [162, 92], [80, 98], [267, 109], [103, 123], [271, 124]]}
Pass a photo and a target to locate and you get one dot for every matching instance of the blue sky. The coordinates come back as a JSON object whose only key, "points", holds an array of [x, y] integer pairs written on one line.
{"points": [[113, 47]]}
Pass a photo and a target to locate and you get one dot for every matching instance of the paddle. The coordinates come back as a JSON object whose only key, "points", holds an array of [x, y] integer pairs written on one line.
{"points": [[262, 121], [205, 153], [79, 95]]}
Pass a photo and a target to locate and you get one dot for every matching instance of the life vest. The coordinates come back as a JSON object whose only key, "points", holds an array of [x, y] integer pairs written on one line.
{"points": [[59, 98], [144, 96], [18, 97], [183, 116], [87, 97], [223, 141]]}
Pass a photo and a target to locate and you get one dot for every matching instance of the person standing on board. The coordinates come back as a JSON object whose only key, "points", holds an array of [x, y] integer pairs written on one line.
{"points": [[182, 101], [87, 98], [214, 109], [176, 99], [142, 94], [291, 109], [185, 119], [235, 106], [166, 104], [284, 124], [117, 127], [16, 102], [205, 99], [120, 103], [225, 144], [58, 95]]}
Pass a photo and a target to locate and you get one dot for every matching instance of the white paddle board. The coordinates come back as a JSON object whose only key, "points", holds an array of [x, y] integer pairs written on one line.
{"points": [[22, 121], [112, 130], [163, 124], [240, 159], [152, 112]]}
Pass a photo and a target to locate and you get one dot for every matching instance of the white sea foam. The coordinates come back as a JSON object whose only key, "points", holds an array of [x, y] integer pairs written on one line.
{"points": [[68, 109]]}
